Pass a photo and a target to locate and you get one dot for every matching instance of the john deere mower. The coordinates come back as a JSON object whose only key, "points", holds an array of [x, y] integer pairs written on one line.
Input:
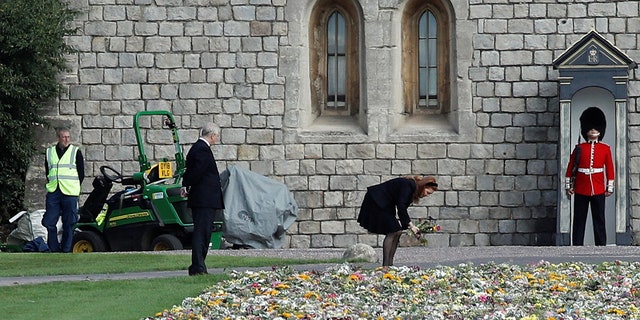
{"points": [[148, 214]]}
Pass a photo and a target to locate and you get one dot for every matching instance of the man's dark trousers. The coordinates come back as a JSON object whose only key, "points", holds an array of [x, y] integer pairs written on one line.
{"points": [[202, 228]]}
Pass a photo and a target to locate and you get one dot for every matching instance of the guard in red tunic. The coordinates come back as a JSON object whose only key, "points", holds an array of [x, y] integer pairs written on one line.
{"points": [[590, 177]]}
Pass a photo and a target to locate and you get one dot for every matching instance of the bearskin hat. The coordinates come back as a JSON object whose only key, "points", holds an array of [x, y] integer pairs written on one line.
{"points": [[593, 118]]}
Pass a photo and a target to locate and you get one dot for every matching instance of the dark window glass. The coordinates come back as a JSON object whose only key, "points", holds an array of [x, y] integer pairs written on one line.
{"points": [[427, 61], [336, 62]]}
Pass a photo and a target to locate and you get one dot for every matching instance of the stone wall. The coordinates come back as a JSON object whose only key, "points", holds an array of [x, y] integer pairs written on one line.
{"points": [[244, 64]]}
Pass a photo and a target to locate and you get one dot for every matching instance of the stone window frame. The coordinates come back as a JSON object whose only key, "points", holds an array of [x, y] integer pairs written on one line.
{"points": [[318, 57], [410, 68], [456, 121], [383, 118]]}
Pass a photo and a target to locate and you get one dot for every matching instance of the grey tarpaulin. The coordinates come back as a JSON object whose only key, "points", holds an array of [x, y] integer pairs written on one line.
{"points": [[29, 227], [258, 209]]}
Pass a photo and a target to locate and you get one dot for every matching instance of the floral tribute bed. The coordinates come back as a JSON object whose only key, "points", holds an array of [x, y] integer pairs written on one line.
{"points": [[543, 290]]}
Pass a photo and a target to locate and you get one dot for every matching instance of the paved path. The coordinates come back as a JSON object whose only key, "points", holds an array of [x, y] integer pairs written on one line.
{"points": [[413, 256]]}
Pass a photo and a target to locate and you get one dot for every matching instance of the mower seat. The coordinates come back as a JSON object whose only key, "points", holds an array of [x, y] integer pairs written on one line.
{"points": [[153, 174], [94, 203]]}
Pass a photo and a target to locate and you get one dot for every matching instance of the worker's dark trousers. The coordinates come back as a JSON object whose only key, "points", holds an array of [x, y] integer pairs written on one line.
{"points": [[59, 205], [581, 205]]}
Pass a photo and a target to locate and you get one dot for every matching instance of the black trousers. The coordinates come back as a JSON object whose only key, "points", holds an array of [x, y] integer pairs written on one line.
{"points": [[581, 206], [202, 228]]}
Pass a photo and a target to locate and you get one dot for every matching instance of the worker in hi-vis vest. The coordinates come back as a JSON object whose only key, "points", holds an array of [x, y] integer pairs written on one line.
{"points": [[64, 167]]}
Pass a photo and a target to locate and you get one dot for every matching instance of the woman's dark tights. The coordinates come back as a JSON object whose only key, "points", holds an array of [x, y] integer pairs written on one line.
{"points": [[389, 246]]}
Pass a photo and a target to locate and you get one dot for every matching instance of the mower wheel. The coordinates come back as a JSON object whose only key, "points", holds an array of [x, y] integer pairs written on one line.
{"points": [[166, 242], [88, 241]]}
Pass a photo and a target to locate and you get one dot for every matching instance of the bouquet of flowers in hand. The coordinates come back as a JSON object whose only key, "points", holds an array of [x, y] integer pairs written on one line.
{"points": [[427, 225]]}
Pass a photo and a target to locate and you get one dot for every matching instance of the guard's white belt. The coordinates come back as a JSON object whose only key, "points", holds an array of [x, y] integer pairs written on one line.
{"points": [[589, 171]]}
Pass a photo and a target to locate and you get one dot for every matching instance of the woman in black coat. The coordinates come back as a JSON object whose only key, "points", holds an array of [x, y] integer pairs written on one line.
{"points": [[384, 209]]}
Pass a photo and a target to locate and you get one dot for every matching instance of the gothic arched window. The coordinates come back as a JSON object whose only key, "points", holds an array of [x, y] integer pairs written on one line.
{"points": [[426, 48], [335, 74]]}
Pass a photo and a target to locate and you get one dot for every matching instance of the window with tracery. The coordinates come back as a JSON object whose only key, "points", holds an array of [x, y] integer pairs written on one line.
{"points": [[335, 74], [426, 48]]}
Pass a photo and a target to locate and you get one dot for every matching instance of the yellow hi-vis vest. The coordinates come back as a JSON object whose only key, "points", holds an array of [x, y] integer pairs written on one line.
{"points": [[63, 172]]}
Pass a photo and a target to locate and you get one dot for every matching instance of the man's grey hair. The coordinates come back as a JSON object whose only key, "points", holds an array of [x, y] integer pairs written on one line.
{"points": [[61, 129], [210, 128]]}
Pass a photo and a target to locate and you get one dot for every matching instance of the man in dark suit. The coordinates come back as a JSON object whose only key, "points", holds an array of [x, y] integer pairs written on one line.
{"points": [[201, 184]]}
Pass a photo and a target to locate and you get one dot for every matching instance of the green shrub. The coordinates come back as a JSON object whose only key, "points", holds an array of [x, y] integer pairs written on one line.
{"points": [[32, 54]]}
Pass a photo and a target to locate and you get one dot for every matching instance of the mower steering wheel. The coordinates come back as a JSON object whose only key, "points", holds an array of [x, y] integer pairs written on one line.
{"points": [[111, 174]]}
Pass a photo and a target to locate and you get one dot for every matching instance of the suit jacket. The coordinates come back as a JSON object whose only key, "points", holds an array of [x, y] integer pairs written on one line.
{"points": [[394, 196], [597, 156], [202, 178]]}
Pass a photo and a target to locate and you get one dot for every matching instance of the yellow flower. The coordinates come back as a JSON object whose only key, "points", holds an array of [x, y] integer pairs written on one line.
{"points": [[282, 286], [311, 294], [271, 292], [304, 277], [616, 311], [355, 277], [558, 287], [388, 276], [214, 302]]}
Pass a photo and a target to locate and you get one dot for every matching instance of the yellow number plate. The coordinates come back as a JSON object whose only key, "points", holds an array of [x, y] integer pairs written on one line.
{"points": [[165, 170]]}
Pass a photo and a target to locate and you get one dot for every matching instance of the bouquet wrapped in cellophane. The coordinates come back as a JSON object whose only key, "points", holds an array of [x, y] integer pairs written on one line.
{"points": [[424, 225]]}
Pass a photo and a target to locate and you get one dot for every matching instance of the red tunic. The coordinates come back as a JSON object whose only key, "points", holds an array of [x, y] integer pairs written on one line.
{"points": [[595, 164]]}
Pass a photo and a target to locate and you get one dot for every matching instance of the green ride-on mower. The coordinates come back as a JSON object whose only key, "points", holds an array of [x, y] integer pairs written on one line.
{"points": [[149, 214]]}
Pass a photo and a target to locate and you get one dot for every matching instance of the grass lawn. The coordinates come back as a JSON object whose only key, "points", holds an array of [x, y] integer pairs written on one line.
{"points": [[39, 264], [100, 300], [109, 299]]}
